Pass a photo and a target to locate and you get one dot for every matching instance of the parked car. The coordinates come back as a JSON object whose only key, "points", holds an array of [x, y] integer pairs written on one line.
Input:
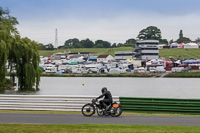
{"points": [[152, 69], [177, 69], [160, 69], [114, 71], [186, 69], [141, 70], [67, 70], [50, 68]]}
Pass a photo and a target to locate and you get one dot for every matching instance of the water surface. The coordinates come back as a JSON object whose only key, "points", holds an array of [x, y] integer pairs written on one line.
{"points": [[129, 87]]}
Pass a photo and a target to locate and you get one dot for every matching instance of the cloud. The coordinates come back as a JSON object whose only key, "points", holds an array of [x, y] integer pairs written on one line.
{"points": [[115, 29]]}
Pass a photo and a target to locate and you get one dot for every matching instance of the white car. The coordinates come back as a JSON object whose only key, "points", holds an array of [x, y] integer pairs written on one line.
{"points": [[152, 69], [177, 69], [50, 68], [160, 69]]}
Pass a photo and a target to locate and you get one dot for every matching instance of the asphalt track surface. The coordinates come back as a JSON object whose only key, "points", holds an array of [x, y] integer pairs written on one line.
{"points": [[15, 118]]}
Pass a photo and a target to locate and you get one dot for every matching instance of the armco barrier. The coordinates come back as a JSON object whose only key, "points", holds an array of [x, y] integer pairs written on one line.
{"points": [[162, 105], [45, 102]]}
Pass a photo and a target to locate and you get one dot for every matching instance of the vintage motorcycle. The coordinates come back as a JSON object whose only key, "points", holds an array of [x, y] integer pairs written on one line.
{"points": [[114, 109]]}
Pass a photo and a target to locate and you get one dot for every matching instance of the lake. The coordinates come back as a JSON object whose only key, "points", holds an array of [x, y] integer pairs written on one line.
{"points": [[128, 87]]}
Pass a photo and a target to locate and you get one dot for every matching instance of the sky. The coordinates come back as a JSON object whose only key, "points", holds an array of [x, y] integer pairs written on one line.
{"points": [[111, 20]]}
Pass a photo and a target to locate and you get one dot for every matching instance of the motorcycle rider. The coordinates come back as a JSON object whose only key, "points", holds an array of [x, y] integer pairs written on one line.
{"points": [[107, 98]]}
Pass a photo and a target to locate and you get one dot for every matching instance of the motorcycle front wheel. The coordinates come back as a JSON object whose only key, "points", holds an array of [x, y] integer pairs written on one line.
{"points": [[88, 109]]}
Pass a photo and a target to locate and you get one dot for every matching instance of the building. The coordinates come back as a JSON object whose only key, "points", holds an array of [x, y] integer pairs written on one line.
{"points": [[105, 58], [146, 49], [123, 55]]}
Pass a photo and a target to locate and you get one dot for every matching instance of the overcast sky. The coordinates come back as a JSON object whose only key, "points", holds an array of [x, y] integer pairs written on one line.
{"points": [[111, 20]]}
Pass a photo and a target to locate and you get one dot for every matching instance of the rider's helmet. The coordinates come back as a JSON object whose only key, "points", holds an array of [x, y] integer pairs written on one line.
{"points": [[104, 89]]}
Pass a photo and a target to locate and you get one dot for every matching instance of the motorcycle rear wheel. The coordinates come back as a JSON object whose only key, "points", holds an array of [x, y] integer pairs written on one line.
{"points": [[88, 109], [116, 112]]}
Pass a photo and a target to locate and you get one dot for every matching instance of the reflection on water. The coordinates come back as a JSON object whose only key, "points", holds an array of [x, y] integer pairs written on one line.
{"points": [[131, 87], [2, 91], [16, 92]]}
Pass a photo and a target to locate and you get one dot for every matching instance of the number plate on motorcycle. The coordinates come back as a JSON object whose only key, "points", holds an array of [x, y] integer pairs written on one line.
{"points": [[115, 105]]}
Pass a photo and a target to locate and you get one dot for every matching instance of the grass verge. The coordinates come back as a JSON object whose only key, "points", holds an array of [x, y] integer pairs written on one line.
{"points": [[79, 112], [94, 128], [184, 75]]}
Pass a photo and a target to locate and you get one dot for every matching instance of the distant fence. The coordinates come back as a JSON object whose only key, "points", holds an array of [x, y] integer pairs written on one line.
{"points": [[160, 105], [45, 102]]}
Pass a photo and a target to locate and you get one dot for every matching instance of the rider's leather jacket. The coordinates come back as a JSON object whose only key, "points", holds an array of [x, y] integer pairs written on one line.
{"points": [[107, 95]]}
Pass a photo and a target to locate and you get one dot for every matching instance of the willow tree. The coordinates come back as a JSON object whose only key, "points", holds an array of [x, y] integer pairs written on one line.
{"points": [[7, 31], [22, 53]]}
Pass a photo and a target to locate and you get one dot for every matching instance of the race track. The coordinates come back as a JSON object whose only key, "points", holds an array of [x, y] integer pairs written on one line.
{"points": [[80, 119]]}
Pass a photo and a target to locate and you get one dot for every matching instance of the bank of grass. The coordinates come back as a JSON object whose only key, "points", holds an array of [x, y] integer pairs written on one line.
{"points": [[94, 128], [95, 51], [166, 53], [193, 53], [184, 75], [100, 75]]}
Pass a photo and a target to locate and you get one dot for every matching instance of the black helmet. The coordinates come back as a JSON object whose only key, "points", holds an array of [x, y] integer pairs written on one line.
{"points": [[104, 89]]}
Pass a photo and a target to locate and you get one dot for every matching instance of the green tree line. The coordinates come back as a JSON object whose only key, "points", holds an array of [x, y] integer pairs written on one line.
{"points": [[149, 33]]}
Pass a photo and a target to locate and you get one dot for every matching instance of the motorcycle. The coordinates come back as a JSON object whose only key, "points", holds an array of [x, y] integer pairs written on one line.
{"points": [[114, 109]]}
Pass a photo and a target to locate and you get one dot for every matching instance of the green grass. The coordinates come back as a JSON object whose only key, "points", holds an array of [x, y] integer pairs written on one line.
{"points": [[91, 128], [94, 128], [40, 112], [180, 53], [79, 113], [96, 51], [184, 75], [174, 53]]}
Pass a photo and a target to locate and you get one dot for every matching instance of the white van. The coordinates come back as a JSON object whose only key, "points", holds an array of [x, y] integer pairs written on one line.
{"points": [[49, 68]]}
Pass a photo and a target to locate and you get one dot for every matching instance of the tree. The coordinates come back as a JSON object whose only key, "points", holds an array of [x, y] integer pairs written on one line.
{"points": [[20, 52], [151, 32], [71, 43], [99, 45], [40, 46], [163, 41], [25, 55], [49, 47], [87, 43], [105, 44], [130, 43], [120, 44], [114, 45], [61, 47], [181, 34], [171, 41], [78, 45], [7, 30], [181, 38]]}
